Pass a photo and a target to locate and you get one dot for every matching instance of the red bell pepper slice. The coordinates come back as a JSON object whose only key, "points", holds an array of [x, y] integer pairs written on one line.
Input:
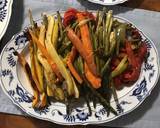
{"points": [[135, 62], [70, 15]]}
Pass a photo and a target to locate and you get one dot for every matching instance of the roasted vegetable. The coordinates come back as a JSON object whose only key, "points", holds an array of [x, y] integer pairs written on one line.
{"points": [[81, 55]]}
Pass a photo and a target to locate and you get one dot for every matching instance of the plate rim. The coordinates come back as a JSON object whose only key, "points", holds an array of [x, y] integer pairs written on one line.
{"points": [[103, 3], [89, 122], [10, 2]]}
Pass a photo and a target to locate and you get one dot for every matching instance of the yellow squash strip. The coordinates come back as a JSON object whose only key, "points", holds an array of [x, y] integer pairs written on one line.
{"points": [[46, 54], [55, 57], [33, 66], [48, 73], [59, 94], [43, 100], [38, 66], [58, 61], [49, 91], [35, 99], [39, 73], [41, 57], [55, 34], [50, 79], [52, 89]]}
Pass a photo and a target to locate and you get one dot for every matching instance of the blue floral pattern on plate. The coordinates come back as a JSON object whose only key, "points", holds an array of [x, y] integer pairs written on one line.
{"points": [[20, 95], [13, 85], [5, 14], [81, 115], [141, 90], [3, 11], [42, 111]]}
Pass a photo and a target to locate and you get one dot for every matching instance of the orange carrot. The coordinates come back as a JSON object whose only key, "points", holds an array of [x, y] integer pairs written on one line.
{"points": [[86, 40], [81, 49], [94, 80], [70, 60], [85, 36], [46, 54]]}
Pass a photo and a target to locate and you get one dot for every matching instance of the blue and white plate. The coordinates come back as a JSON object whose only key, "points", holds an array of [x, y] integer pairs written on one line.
{"points": [[5, 14], [15, 85], [108, 2]]}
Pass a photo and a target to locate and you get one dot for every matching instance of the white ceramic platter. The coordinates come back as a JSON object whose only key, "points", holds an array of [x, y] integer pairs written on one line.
{"points": [[108, 2], [15, 85], [5, 14]]}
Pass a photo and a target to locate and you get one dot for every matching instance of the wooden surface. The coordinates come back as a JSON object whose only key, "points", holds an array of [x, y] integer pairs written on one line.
{"points": [[14, 121], [153, 5], [8, 121]]}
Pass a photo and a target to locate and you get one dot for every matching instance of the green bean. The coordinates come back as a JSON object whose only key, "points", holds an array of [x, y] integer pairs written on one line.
{"points": [[45, 20], [97, 16], [101, 99], [101, 46], [85, 94], [34, 26], [108, 26], [104, 34], [104, 25], [88, 103], [80, 62], [101, 64], [95, 100], [107, 45], [32, 22], [106, 67], [116, 23], [108, 21], [60, 23], [99, 23], [121, 33], [112, 42], [118, 45], [68, 109], [120, 68], [114, 93], [95, 44], [74, 25], [61, 37], [92, 36], [83, 22], [65, 47], [100, 37]]}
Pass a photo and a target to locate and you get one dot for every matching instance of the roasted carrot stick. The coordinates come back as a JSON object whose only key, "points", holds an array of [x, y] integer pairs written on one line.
{"points": [[86, 40], [95, 81], [70, 60], [47, 55], [81, 49]]}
